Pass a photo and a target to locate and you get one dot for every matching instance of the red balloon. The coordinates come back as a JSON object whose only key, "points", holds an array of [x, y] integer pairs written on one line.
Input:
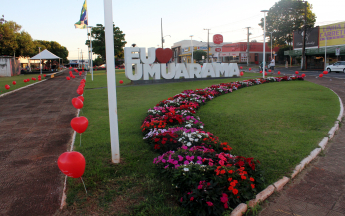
{"points": [[121, 82], [72, 164], [80, 73], [27, 80], [70, 68], [269, 70], [70, 72], [44, 75], [321, 75], [67, 78], [81, 98], [265, 74], [79, 124], [83, 80], [24, 80], [77, 103], [303, 75], [7, 87], [241, 67], [241, 73], [73, 76], [278, 72], [296, 72], [14, 82], [260, 71], [249, 69], [80, 91], [39, 78], [33, 78], [325, 72]]}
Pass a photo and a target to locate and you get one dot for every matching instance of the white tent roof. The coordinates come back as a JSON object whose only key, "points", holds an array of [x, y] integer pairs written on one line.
{"points": [[45, 54]]}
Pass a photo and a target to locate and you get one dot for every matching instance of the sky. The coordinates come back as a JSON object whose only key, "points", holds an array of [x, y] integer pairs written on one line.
{"points": [[140, 20]]}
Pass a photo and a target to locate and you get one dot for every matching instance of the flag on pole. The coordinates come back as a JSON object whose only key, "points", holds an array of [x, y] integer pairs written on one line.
{"points": [[83, 21]]}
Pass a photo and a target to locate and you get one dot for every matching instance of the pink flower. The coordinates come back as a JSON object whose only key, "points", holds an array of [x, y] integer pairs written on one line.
{"points": [[199, 187], [209, 203], [224, 199], [210, 163], [192, 198], [226, 206], [181, 200]]}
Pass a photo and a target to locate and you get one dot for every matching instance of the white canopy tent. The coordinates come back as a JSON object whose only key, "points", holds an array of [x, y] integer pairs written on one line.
{"points": [[45, 54]]}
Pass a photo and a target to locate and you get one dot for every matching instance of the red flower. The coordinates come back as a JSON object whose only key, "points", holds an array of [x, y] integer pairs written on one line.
{"points": [[251, 179], [192, 198], [209, 203], [243, 177], [252, 185], [226, 205], [235, 191]]}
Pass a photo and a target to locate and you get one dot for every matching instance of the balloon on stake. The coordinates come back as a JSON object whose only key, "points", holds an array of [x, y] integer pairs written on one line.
{"points": [[67, 78], [325, 72], [265, 74], [260, 71], [72, 164], [241, 67], [241, 74], [77, 103], [14, 82], [120, 81], [79, 124], [250, 69], [81, 98], [303, 75], [296, 72], [80, 91], [320, 75], [269, 70], [7, 87], [278, 72]]}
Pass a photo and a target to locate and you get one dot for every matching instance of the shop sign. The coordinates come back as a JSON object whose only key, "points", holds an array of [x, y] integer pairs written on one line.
{"points": [[218, 49], [335, 34], [217, 38]]}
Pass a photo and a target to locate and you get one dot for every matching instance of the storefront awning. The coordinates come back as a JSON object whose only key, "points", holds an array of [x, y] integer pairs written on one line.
{"points": [[315, 51]]}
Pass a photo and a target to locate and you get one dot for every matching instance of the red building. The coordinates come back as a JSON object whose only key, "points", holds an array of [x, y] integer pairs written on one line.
{"points": [[237, 52]]}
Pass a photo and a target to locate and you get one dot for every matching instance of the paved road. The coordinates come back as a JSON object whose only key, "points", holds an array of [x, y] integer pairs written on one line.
{"points": [[34, 131], [320, 189]]}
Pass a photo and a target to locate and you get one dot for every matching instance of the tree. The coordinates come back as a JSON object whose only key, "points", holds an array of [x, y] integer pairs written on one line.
{"points": [[8, 35], [98, 44], [53, 47], [287, 16], [197, 55], [98, 61]]}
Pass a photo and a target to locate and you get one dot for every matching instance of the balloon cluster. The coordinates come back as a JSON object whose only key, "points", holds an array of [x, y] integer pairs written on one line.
{"points": [[7, 87], [72, 163]]}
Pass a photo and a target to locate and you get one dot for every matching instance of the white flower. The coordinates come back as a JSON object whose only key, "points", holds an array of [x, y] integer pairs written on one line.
{"points": [[201, 126], [191, 139], [185, 169], [196, 140], [189, 144]]}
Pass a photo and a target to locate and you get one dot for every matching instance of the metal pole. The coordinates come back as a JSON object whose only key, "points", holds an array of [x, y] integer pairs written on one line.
{"points": [[208, 46], [78, 58], [91, 58], [264, 45], [304, 34], [271, 45], [248, 46], [39, 51], [192, 60], [325, 53], [111, 81], [162, 31]]}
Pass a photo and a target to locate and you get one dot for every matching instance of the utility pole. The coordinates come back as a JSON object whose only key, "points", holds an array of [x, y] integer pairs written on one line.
{"points": [[304, 34], [78, 58], [82, 60], [162, 32], [248, 45], [208, 45]]}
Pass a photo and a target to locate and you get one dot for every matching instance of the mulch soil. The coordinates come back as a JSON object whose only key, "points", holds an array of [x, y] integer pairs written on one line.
{"points": [[34, 131], [319, 190]]}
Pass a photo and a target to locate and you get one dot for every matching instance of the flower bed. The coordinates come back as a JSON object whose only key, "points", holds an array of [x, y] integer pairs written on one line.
{"points": [[209, 178]]}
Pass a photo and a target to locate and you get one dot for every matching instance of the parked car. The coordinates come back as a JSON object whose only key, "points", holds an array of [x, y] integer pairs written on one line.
{"points": [[336, 67]]}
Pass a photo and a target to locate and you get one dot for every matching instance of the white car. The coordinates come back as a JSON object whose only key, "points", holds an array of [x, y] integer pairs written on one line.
{"points": [[336, 67]]}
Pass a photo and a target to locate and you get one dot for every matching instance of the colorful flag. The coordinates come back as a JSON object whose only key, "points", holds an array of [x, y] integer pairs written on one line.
{"points": [[83, 21]]}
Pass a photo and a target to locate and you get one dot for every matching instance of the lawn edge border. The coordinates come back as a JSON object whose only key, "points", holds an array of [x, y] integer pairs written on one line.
{"points": [[278, 185], [64, 196], [15, 90]]}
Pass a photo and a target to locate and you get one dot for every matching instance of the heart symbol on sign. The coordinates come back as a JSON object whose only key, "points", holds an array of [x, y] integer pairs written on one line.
{"points": [[72, 164], [79, 124], [163, 55]]}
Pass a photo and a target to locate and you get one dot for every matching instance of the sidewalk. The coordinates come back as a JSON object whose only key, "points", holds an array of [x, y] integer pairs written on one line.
{"points": [[34, 130], [319, 190]]}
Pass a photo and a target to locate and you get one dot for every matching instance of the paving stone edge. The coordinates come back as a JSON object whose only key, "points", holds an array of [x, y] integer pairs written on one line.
{"points": [[7, 93], [278, 185]]}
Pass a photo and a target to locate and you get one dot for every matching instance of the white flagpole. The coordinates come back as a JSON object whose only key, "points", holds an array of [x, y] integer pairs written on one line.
{"points": [[111, 81]]}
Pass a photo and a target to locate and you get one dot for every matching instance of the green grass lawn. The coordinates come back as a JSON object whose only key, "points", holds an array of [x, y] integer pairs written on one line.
{"points": [[277, 123], [20, 82]]}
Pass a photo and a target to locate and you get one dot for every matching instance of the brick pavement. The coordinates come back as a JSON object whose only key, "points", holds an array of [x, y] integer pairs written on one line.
{"points": [[319, 190], [34, 130]]}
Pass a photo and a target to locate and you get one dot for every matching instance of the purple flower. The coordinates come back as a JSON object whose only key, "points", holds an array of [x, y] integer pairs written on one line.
{"points": [[175, 162], [199, 158], [186, 162], [163, 160], [154, 160], [199, 162], [177, 166], [166, 166], [180, 158], [184, 147]]}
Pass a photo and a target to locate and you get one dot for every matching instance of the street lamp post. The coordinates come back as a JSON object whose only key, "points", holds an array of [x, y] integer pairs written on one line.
{"points": [[263, 72], [304, 34], [208, 44], [78, 58], [271, 44], [192, 60], [163, 41]]}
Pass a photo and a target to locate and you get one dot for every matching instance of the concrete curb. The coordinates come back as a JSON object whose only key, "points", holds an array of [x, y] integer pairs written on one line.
{"points": [[278, 186], [7, 93]]}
